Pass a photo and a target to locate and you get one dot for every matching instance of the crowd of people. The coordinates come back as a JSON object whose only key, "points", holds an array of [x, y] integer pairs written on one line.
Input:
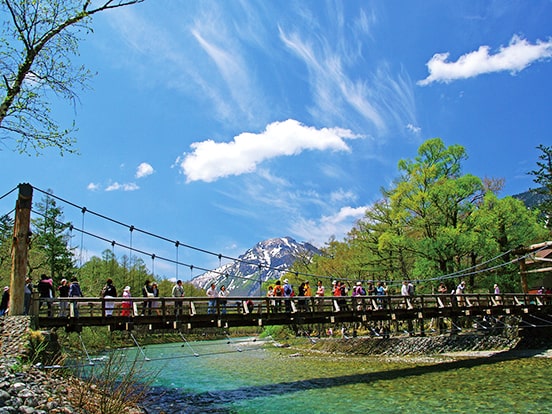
{"points": [[279, 294], [46, 290], [282, 293]]}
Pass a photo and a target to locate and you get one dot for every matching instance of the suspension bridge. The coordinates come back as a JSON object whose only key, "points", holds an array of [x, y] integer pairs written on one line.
{"points": [[185, 314], [534, 310]]}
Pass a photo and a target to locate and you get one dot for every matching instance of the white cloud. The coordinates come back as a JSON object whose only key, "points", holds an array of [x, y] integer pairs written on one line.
{"points": [[515, 57], [210, 160], [342, 196], [123, 187], [93, 187], [143, 170], [414, 129], [337, 225], [345, 214]]}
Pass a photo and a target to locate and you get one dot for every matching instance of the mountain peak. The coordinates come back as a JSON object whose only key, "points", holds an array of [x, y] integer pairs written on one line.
{"points": [[268, 259]]}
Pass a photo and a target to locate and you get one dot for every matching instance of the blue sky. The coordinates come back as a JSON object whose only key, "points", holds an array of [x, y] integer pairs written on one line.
{"points": [[224, 123]]}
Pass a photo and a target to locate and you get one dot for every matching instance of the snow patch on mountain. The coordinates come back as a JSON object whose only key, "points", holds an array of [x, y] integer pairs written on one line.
{"points": [[267, 260]]}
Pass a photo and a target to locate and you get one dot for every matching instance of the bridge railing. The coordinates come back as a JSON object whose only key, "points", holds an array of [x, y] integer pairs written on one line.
{"points": [[93, 307]]}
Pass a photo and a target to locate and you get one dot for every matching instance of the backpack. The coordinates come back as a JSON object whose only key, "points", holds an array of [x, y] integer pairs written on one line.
{"points": [[287, 290]]}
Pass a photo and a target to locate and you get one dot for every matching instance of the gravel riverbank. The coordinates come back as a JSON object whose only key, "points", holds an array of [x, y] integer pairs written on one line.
{"points": [[24, 388]]}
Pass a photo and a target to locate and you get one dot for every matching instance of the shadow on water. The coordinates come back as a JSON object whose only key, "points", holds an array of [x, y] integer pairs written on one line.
{"points": [[210, 402]]}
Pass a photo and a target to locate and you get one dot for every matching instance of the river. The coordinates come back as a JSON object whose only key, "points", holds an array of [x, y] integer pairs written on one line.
{"points": [[251, 376]]}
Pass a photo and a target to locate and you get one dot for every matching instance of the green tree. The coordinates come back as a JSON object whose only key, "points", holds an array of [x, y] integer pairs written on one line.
{"points": [[378, 240], [6, 239], [504, 225], [50, 251], [37, 41], [123, 272], [433, 202], [433, 222], [543, 177]]}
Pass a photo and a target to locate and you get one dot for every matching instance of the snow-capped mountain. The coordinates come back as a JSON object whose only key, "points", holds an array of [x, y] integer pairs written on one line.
{"points": [[267, 260]]}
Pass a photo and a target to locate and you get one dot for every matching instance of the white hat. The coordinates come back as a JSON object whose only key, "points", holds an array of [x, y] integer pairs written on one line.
{"points": [[127, 288], [286, 281], [359, 283], [6, 288]]}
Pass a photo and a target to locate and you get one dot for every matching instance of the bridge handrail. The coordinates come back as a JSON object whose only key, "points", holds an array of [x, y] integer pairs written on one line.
{"points": [[197, 305]]}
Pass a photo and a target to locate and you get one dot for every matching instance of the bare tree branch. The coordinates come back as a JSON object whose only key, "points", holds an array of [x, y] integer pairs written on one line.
{"points": [[42, 28]]}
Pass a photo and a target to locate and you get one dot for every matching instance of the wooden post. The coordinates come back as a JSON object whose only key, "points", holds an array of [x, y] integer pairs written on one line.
{"points": [[523, 273], [21, 240]]}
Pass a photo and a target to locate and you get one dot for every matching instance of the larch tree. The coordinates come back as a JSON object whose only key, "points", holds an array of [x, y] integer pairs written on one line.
{"points": [[543, 177], [51, 252], [433, 202], [503, 225], [376, 238], [38, 40], [6, 242]]}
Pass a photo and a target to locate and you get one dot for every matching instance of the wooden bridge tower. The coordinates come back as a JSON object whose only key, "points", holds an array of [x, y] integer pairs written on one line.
{"points": [[20, 246]]}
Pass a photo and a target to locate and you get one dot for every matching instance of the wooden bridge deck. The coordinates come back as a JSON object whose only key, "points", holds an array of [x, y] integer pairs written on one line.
{"points": [[195, 312]]}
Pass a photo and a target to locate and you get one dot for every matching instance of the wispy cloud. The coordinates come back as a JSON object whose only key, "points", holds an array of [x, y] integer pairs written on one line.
{"points": [[223, 55], [342, 195], [319, 231], [303, 213], [206, 58], [93, 187], [122, 187], [515, 57], [331, 86], [232, 66], [143, 170], [210, 160]]}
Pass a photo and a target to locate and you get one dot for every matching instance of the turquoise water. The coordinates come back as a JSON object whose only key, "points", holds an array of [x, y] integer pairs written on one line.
{"points": [[240, 376]]}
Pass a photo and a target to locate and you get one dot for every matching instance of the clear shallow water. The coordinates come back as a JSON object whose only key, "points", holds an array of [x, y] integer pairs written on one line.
{"points": [[215, 377]]}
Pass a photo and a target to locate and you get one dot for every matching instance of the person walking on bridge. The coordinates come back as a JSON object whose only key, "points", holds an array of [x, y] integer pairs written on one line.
{"points": [[28, 295], [498, 299], [460, 290], [212, 294], [5, 302], [278, 293], [109, 292], [287, 294], [46, 291], [320, 294], [178, 292], [126, 305], [147, 292], [223, 293], [155, 302], [63, 292], [75, 292]]}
